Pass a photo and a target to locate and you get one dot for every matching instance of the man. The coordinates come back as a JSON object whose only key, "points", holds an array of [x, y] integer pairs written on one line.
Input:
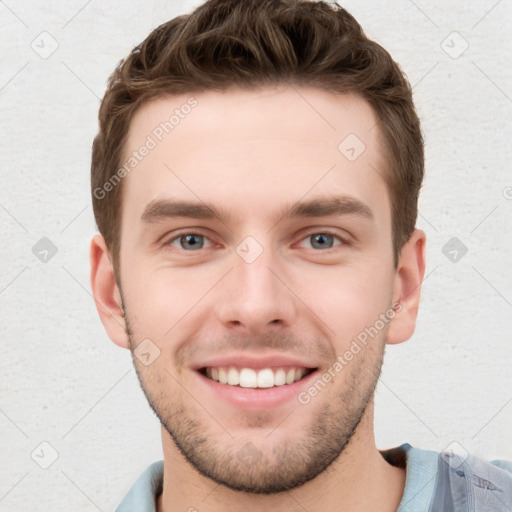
{"points": [[255, 182]]}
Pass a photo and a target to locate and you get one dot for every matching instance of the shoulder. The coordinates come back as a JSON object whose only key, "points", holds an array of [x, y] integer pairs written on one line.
{"points": [[443, 481], [480, 484], [421, 469], [503, 464], [142, 495]]}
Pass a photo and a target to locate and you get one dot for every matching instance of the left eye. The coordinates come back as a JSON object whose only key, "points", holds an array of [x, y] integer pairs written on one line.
{"points": [[189, 241], [322, 240]]}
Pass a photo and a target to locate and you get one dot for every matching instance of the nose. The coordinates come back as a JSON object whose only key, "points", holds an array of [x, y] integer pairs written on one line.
{"points": [[255, 296]]}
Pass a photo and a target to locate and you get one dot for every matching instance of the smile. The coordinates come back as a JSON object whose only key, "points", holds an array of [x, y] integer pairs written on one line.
{"points": [[253, 378]]}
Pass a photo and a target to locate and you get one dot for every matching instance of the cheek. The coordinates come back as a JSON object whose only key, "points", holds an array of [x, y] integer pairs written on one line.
{"points": [[158, 299], [347, 299]]}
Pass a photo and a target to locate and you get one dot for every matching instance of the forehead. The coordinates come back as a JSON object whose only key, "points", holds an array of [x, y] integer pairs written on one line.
{"points": [[264, 147]]}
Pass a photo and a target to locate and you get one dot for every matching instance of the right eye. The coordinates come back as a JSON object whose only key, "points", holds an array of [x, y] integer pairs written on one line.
{"points": [[189, 241]]}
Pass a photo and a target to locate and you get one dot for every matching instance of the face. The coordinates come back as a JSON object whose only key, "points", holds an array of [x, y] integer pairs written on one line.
{"points": [[256, 249]]}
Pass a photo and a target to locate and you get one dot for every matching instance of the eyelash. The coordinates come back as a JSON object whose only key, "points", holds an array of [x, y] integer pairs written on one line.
{"points": [[325, 232], [341, 240], [185, 233]]}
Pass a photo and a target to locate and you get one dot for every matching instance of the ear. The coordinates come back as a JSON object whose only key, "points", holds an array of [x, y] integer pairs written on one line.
{"points": [[407, 287], [106, 293]]}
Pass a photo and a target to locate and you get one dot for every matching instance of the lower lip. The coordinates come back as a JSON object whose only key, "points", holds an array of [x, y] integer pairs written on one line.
{"points": [[255, 399]]}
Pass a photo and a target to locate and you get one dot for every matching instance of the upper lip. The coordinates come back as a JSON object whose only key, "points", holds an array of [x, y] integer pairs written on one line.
{"points": [[245, 360]]}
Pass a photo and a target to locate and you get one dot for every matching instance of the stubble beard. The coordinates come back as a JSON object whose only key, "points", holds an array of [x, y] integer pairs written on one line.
{"points": [[270, 468]]}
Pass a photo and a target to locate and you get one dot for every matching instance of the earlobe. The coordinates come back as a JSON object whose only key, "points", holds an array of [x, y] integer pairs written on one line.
{"points": [[106, 293], [407, 288]]}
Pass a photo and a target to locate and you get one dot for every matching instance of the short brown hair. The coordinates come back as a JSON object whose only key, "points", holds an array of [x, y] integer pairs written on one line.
{"points": [[254, 43]]}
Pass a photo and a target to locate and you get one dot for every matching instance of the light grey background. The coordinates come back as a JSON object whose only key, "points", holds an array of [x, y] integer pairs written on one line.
{"points": [[66, 385]]}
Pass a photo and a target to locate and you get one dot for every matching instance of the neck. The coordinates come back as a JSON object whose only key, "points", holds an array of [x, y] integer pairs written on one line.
{"points": [[358, 480]]}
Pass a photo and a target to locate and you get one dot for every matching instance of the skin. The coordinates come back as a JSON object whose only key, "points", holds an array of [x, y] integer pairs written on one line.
{"points": [[253, 154]]}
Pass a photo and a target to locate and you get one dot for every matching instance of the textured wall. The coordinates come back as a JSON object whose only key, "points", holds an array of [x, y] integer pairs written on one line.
{"points": [[64, 384]]}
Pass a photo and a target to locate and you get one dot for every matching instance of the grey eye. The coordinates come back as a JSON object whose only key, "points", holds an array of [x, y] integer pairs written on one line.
{"points": [[321, 241], [191, 242]]}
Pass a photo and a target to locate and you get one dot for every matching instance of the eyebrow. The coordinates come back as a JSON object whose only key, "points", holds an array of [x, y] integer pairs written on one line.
{"points": [[332, 205], [161, 209]]}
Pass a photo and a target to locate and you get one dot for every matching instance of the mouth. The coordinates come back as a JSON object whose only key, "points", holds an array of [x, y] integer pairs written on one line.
{"points": [[264, 378]]}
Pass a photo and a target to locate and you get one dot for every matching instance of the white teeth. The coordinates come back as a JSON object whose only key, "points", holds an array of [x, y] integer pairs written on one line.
{"points": [[265, 378], [233, 377], [223, 376], [290, 376], [279, 377], [250, 378]]}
